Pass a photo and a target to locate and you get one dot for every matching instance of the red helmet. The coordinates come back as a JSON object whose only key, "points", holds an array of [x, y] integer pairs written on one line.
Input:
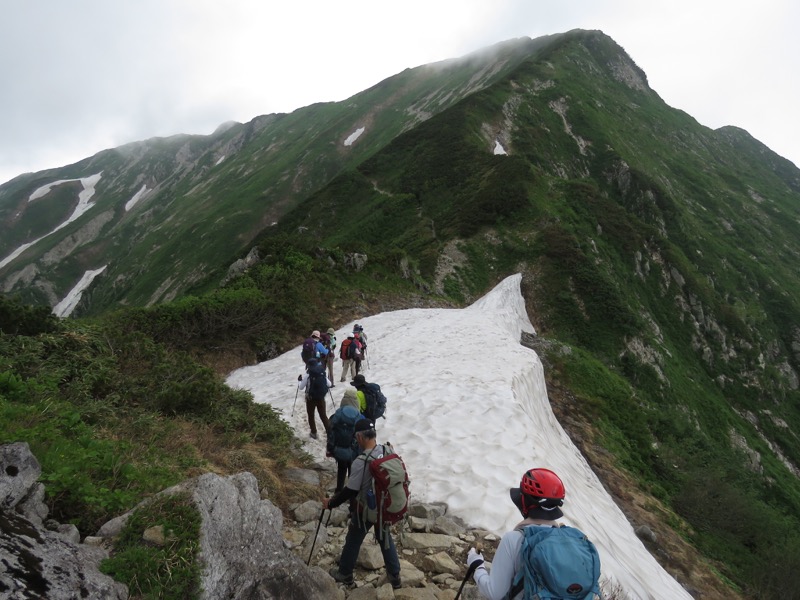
{"points": [[542, 483], [539, 489]]}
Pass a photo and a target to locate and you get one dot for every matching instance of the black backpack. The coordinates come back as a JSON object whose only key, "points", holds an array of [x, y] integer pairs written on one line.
{"points": [[376, 401], [351, 350], [317, 382]]}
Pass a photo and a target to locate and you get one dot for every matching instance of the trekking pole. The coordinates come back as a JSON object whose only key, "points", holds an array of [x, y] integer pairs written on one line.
{"points": [[470, 571], [310, 554], [295, 398], [333, 404]]}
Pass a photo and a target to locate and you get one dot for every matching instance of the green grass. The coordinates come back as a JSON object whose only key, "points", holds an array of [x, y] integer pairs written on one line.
{"points": [[151, 571]]}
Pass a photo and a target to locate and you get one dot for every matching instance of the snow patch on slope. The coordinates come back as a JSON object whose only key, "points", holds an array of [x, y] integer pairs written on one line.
{"points": [[484, 416], [68, 304], [84, 204]]}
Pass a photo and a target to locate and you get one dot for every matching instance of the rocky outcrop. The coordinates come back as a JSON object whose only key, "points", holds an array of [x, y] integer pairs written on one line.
{"points": [[242, 549], [39, 562], [248, 549]]}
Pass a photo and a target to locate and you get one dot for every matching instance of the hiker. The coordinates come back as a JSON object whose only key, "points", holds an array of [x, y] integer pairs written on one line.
{"points": [[358, 356], [361, 336], [329, 341], [372, 402], [342, 444], [347, 353], [539, 498], [357, 488], [313, 348], [316, 385]]}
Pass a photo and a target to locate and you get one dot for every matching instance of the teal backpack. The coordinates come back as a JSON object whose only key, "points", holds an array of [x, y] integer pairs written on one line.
{"points": [[341, 441], [558, 563]]}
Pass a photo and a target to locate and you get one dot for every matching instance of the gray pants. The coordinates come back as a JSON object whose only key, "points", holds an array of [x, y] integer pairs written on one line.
{"points": [[348, 364]]}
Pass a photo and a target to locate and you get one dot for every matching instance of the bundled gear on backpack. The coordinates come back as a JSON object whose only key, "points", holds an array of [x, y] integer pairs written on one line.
{"points": [[325, 338], [331, 335], [376, 401], [385, 502], [557, 563], [360, 331], [317, 380]]}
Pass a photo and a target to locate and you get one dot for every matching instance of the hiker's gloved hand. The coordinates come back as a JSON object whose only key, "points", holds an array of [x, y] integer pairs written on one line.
{"points": [[299, 378], [473, 556]]}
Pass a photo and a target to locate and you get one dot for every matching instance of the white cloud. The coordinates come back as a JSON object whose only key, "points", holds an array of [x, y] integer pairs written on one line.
{"points": [[87, 75]]}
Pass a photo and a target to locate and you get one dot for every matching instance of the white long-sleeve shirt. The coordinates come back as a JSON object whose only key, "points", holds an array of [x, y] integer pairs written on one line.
{"points": [[304, 382], [495, 584]]}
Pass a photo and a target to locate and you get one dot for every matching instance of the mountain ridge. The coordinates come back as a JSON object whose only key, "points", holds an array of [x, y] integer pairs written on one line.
{"points": [[270, 168]]}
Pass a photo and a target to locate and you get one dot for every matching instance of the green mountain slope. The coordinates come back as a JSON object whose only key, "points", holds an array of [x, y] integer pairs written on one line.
{"points": [[203, 198], [662, 253]]}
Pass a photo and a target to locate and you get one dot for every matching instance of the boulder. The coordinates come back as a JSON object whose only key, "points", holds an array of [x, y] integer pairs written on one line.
{"points": [[38, 563]]}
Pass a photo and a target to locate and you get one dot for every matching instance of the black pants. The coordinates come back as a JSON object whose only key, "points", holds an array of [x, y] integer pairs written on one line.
{"points": [[319, 406], [342, 472]]}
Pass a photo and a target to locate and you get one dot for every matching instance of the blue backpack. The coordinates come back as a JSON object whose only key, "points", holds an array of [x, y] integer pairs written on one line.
{"points": [[557, 563]]}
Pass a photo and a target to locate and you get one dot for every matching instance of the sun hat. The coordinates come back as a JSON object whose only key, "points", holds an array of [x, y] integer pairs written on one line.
{"points": [[358, 380]]}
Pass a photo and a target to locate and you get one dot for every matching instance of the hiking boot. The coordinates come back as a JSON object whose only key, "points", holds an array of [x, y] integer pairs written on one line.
{"points": [[313, 435], [340, 578], [395, 581]]}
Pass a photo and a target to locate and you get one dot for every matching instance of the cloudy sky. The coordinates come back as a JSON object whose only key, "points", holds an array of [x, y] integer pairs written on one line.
{"points": [[85, 75]]}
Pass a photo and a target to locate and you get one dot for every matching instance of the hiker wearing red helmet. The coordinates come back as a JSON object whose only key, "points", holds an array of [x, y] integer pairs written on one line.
{"points": [[573, 566]]}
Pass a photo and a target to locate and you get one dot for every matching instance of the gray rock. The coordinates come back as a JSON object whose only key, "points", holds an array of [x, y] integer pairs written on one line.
{"points": [[429, 540], [428, 510], [306, 476], [242, 545], [370, 557], [447, 526], [42, 564], [308, 511], [70, 533], [441, 563], [113, 528], [425, 593], [33, 506], [19, 472], [646, 534]]}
